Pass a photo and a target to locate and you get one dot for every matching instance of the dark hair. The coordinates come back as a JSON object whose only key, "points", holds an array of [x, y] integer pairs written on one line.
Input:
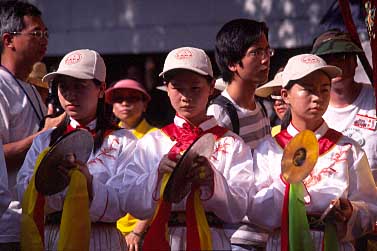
{"points": [[12, 14], [233, 40], [104, 123]]}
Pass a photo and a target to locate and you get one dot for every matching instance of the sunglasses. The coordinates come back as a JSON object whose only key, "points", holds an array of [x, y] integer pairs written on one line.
{"points": [[128, 99]]}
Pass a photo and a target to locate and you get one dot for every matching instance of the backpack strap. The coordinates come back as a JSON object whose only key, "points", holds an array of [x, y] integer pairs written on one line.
{"points": [[230, 110]]}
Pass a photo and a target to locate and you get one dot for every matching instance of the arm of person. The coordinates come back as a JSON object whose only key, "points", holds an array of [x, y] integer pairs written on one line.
{"points": [[15, 152], [133, 239], [362, 197], [266, 202], [5, 196]]}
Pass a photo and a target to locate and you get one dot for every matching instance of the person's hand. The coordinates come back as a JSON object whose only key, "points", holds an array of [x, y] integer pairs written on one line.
{"points": [[133, 241], [70, 162], [342, 211], [201, 172], [167, 165], [50, 120]]}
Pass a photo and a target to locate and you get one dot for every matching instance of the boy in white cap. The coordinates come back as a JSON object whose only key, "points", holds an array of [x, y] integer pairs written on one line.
{"points": [[80, 80], [341, 171], [223, 180]]}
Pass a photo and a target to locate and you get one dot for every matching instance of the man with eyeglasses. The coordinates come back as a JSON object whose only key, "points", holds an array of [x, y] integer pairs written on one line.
{"points": [[23, 42], [243, 55], [352, 105]]}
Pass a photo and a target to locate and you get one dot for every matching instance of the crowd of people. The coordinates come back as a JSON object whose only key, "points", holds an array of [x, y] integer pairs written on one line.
{"points": [[233, 199]]}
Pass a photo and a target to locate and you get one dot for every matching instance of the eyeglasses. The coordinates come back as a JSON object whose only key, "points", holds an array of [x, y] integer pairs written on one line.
{"points": [[37, 34], [128, 99], [262, 52]]}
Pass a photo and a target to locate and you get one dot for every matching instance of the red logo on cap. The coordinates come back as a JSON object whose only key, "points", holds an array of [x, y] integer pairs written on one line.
{"points": [[183, 54], [310, 60], [73, 58]]}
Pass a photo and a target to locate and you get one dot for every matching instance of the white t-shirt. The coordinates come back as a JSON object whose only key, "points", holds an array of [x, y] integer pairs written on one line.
{"points": [[17, 121], [4, 192], [358, 121], [254, 125]]}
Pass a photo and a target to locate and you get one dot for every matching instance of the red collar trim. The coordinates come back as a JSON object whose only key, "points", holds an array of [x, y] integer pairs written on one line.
{"points": [[326, 142]]}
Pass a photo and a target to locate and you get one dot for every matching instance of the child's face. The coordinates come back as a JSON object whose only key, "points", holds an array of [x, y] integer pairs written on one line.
{"points": [[309, 98], [188, 93], [79, 98]]}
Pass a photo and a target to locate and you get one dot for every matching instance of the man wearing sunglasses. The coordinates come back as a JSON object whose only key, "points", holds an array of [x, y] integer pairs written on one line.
{"points": [[24, 40], [352, 105]]}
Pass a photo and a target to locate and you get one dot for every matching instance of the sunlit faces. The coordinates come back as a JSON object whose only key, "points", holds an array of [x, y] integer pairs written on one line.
{"points": [[79, 97], [31, 48], [308, 98], [254, 66], [129, 105], [188, 93]]}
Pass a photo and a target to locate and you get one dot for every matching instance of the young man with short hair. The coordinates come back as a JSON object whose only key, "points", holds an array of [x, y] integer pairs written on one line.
{"points": [[243, 55]]}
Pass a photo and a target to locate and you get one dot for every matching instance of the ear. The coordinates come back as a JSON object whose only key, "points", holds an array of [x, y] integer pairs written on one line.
{"points": [[232, 67], [102, 90], [285, 95], [7, 40]]}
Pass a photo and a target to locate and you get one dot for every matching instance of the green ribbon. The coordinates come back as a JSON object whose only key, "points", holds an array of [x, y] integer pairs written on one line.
{"points": [[299, 232]]}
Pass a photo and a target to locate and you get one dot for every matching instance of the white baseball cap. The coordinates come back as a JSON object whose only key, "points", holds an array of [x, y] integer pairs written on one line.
{"points": [[266, 89], [188, 58], [302, 65], [81, 64]]}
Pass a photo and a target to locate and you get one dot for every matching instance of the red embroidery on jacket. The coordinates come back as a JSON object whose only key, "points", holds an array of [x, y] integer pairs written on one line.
{"points": [[221, 147], [106, 153], [337, 157]]}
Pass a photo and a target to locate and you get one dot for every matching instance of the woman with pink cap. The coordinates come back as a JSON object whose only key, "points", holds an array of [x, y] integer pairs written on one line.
{"points": [[130, 100]]}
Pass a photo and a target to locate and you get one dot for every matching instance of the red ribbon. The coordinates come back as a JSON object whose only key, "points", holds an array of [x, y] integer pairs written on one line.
{"points": [[155, 238]]}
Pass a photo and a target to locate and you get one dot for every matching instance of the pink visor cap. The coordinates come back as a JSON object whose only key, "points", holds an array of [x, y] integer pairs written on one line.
{"points": [[125, 84]]}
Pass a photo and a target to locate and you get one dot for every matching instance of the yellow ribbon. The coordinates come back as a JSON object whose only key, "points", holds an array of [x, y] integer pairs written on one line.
{"points": [[202, 223], [30, 237], [75, 223]]}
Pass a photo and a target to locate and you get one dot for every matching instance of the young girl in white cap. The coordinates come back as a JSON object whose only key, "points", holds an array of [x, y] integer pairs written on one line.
{"points": [[342, 170], [223, 180], [80, 79]]}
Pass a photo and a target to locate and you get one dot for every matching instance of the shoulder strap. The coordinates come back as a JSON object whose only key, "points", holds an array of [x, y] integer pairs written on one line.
{"points": [[230, 110], [264, 109]]}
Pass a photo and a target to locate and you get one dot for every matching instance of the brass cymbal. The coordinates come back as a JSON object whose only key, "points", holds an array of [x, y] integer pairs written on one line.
{"points": [[299, 157], [48, 179], [177, 187]]}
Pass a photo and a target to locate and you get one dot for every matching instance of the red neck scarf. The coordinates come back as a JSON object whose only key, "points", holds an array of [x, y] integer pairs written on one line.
{"points": [[156, 238]]}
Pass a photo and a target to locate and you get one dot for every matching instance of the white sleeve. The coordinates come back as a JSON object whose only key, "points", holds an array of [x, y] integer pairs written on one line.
{"points": [[27, 169], [363, 196], [4, 118], [220, 115], [105, 205], [265, 207], [234, 182]]}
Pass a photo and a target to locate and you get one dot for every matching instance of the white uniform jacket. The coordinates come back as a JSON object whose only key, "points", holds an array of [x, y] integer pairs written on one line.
{"points": [[341, 171], [108, 161], [232, 165]]}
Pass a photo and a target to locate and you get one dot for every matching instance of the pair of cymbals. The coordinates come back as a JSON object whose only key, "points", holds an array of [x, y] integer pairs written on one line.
{"points": [[177, 187], [48, 178], [299, 157]]}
